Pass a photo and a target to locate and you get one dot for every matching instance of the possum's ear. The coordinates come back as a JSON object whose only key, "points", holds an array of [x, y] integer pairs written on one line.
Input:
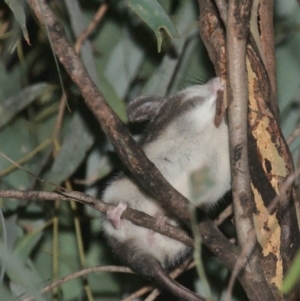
{"points": [[144, 108]]}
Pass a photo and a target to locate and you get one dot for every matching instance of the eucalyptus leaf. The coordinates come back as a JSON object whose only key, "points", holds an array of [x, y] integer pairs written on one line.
{"points": [[15, 142], [104, 283], [293, 275], [77, 142], [162, 78], [106, 41], [18, 273], [123, 64], [17, 7], [200, 184], [69, 263], [10, 80], [29, 241], [98, 167], [14, 104], [78, 25], [12, 230], [153, 14], [5, 294]]}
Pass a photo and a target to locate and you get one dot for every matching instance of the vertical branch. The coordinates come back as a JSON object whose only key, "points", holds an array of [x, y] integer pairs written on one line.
{"points": [[237, 92], [268, 156], [237, 89], [213, 36], [270, 161], [266, 27], [132, 156]]}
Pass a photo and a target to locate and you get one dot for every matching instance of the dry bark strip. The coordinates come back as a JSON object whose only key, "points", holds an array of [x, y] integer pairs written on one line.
{"points": [[269, 158], [270, 165]]}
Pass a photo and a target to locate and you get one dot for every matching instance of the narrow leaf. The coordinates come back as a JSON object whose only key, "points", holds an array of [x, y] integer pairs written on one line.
{"points": [[153, 14], [17, 7], [16, 103], [292, 276]]}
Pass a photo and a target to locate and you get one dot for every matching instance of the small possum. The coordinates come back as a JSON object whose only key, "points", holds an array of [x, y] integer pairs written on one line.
{"points": [[181, 138]]}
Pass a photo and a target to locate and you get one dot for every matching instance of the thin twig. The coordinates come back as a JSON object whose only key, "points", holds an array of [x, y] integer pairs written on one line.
{"points": [[296, 194], [60, 116], [185, 266], [227, 212], [222, 8], [137, 294], [90, 28], [136, 217], [81, 273], [266, 29], [237, 89], [292, 137], [25, 159], [126, 147], [132, 156]]}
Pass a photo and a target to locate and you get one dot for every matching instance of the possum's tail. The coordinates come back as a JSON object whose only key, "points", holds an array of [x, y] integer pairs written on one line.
{"points": [[146, 265], [161, 277]]}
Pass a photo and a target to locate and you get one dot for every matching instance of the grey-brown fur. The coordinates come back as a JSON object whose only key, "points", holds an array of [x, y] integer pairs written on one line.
{"points": [[181, 138]]}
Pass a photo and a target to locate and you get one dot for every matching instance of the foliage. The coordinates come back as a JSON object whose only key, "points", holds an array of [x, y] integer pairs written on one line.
{"points": [[41, 241]]}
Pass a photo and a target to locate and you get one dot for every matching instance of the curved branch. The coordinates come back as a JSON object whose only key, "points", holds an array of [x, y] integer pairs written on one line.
{"points": [[213, 35], [136, 217], [78, 274], [266, 9], [211, 236], [237, 89], [132, 156]]}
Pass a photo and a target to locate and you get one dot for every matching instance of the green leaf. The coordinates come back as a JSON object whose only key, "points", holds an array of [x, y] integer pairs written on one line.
{"points": [[292, 276], [14, 104], [169, 67], [5, 294], [17, 7], [106, 40], [123, 64], [29, 241], [15, 142], [18, 273], [153, 14], [200, 184], [73, 151]]}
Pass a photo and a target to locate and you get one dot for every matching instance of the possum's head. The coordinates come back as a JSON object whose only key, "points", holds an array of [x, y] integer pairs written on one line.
{"points": [[191, 111], [148, 107]]}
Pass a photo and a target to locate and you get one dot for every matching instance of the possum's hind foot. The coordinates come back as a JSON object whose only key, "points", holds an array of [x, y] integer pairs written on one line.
{"points": [[114, 214]]}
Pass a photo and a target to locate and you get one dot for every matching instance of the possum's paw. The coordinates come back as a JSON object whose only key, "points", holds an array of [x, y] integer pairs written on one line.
{"points": [[161, 220], [216, 85], [113, 214]]}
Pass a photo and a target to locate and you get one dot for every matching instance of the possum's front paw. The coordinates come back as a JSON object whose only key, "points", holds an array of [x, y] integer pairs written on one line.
{"points": [[161, 220], [216, 85], [114, 214]]}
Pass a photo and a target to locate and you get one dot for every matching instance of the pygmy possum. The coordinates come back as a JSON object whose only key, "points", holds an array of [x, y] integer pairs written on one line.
{"points": [[181, 138]]}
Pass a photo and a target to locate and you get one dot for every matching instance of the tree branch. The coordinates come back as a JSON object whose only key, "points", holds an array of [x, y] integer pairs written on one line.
{"points": [[237, 89], [132, 156], [266, 27], [255, 286], [213, 35], [136, 217], [83, 272]]}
